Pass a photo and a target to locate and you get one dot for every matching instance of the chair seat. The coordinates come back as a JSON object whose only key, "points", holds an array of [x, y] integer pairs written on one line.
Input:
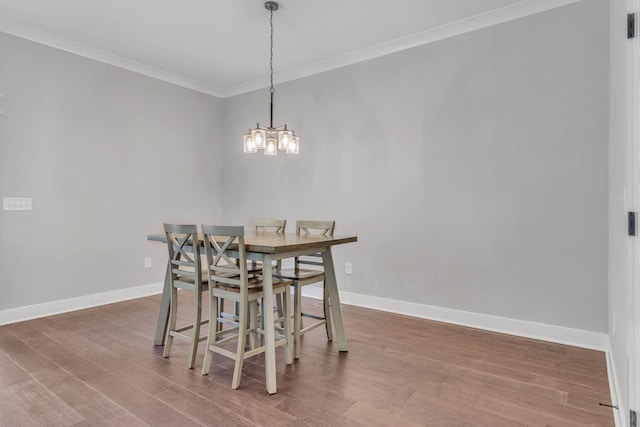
{"points": [[189, 279], [299, 274], [192, 281], [255, 285]]}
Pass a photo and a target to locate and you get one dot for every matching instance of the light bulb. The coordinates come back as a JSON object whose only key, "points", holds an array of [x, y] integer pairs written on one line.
{"points": [[271, 147], [259, 137], [294, 146], [284, 137], [249, 144]]}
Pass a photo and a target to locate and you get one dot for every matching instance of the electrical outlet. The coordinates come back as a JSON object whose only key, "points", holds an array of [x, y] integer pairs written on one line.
{"points": [[147, 262], [348, 268]]}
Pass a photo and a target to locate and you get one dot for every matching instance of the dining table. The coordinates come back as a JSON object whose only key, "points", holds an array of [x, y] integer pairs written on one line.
{"points": [[267, 247]]}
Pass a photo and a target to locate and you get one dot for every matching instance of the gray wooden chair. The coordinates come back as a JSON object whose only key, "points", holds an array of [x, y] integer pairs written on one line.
{"points": [[255, 268], [186, 273], [266, 226], [307, 270], [229, 279]]}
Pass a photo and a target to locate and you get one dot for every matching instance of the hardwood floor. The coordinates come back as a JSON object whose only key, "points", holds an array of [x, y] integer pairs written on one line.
{"points": [[99, 367]]}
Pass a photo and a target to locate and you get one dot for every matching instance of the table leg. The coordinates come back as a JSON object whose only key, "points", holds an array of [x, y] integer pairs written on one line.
{"points": [[334, 297], [163, 316], [269, 333]]}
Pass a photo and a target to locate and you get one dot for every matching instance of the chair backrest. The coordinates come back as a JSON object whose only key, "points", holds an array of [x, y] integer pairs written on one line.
{"points": [[272, 225], [225, 265], [315, 227], [185, 262], [324, 228]]}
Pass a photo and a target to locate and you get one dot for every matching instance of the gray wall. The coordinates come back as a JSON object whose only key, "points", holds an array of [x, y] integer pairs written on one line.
{"points": [[488, 149], [95, 145], [473, 169]]}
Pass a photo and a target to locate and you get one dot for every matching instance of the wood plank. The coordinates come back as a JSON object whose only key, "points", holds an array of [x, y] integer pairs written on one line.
{"points": [[42, 406], [144, 406], [12, 414], [105, 413], [541, 415], [11, 373]]}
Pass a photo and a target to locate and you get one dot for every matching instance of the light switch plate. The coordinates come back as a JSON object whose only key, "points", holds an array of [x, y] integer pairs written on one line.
{"points": [[17, 203]]}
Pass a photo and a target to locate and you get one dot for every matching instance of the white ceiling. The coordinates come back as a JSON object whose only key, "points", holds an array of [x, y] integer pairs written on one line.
{"points": [[221, 47]]}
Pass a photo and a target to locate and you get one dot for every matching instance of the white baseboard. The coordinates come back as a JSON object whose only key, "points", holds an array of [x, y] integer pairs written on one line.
{"points": [[523, 328], [20, 314]]}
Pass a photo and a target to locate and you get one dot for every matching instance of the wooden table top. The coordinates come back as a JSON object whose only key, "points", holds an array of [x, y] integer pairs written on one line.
{"points": [[273, 243]]}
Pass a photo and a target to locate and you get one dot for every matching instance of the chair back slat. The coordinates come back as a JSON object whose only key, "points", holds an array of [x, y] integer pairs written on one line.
{"points": [[271, 225], [184, 273], [315, 227], [180, 263]]}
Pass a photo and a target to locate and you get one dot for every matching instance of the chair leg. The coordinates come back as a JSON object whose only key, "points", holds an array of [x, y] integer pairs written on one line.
{"points": [[279, 309], [297, 319], [173, 316], [219, 312], [286, 316], [253, 324], [300, 305], [211, 337], [326, 305], [242, 337], [196, 330]]}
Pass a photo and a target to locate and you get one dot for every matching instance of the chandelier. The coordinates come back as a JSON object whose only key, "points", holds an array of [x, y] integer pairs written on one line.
{"points": [[268, 138]]}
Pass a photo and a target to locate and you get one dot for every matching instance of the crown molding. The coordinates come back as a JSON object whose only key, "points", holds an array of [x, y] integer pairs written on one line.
{"points": [[477, 22], [66, 45]]}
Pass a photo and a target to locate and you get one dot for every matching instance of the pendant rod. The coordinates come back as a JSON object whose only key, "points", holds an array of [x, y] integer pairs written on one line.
{"points": [[271, 9]]}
